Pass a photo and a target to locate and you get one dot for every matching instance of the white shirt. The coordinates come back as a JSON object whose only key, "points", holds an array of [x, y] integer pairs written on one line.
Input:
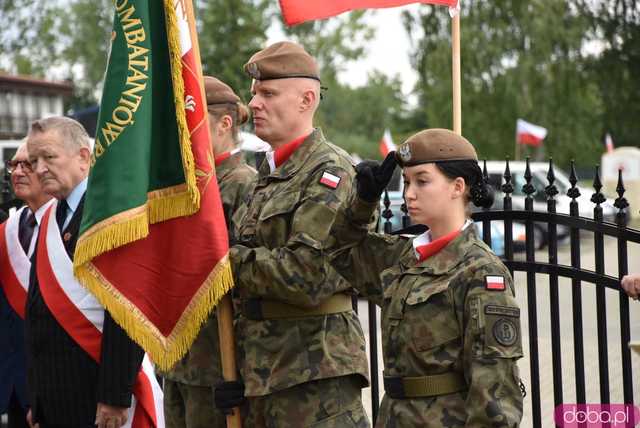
{"points": [[73, 200]]}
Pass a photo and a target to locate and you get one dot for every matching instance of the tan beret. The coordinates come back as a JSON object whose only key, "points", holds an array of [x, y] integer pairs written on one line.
{"points": [[280, 61], [434, 145], [219, 92]]}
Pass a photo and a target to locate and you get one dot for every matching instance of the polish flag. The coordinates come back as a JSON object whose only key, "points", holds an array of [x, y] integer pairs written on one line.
{"points": [[608, 142], [298, 11], [530, 134], [386, 144]]}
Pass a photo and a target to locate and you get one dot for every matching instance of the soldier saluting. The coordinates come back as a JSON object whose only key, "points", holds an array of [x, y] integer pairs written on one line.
{"points": [[450, 321], [302, 350]]}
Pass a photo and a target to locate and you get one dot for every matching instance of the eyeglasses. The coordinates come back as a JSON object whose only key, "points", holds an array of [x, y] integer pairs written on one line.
{"points": [[12, 166]]}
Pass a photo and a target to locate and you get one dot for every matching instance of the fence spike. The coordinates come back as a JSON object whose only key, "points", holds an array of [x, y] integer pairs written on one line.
{"points": [[551, 190], [528, 188], [507, 187], [620, 202], [597, 198], [573, 192]]}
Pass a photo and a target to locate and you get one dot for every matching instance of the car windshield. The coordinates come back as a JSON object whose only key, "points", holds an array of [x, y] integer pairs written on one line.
{"points": [[538, 180]]}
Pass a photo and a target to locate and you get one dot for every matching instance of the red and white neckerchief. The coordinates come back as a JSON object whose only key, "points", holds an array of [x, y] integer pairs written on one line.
{"points": [[226, 155], [424, 247], [15, 264], [280, 155], [82, 317]]}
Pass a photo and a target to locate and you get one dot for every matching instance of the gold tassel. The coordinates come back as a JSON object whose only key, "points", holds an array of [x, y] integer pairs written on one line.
{"points": [[163, 351], [110, 236]]}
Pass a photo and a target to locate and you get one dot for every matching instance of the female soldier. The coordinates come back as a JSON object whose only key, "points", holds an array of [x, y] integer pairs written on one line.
{"points": [[450, 321], [187, 391]]}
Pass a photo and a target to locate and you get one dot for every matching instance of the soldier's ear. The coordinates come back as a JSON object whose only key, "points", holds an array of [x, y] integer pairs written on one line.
{"points": [[308, 100], [459, 187]]}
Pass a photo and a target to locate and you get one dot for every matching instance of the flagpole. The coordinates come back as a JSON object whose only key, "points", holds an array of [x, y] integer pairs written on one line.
{"points": [[455, 70], [224, 309], [516, 153]]}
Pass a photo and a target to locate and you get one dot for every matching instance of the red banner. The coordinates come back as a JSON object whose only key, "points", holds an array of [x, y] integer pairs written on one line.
{"points": [[298, 11]]}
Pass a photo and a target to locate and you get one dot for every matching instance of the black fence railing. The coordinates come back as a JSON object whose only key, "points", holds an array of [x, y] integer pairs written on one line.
{"points": [[553, 221]]}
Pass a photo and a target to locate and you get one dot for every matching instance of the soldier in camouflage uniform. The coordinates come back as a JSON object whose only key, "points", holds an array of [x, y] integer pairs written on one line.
{"points": [[188, 399], [450, 322], [303, 358]]}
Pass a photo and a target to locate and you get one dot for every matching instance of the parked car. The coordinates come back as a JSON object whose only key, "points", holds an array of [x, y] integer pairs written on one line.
{"points": [[539, 170]]}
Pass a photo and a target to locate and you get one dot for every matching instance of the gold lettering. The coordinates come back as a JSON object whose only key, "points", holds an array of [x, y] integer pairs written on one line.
{"points": [[98, 149], [111, 132], [135, 36], [121, 4], [127, 21], [122, 121], [135, 51]]}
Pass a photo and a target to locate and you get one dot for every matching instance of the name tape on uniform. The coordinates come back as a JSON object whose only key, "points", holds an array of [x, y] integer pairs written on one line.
{"points": [[494, 282], [330, 180]]}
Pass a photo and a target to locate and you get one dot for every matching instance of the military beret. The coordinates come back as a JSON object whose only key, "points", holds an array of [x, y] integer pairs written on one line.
{"points": [[280, 61], [434, 145], [218, 92]]}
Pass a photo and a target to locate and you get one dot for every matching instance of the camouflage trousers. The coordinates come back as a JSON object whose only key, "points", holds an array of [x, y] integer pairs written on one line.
{"points": [[190, 406], [429, 412], [325, 403]]}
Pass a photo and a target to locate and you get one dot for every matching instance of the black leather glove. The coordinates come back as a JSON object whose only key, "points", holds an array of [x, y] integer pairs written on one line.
{"points": [[229, 394], [372, 177]]}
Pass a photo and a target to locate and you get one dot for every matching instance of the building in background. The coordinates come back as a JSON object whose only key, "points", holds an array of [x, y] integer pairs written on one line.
{"points": [[24, 99]]}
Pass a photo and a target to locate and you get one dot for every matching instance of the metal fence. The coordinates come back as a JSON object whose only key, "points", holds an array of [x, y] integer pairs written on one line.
{"points": [[551, 267]]}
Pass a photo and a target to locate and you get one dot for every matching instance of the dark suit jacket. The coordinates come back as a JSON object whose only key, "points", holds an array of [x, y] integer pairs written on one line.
{"points": [[13, 370], [65, 383]]}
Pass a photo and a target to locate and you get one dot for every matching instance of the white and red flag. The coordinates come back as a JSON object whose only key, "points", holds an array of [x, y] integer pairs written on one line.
{"points": [[299, 11], [530, 134], [608, 142], [386, 144]]}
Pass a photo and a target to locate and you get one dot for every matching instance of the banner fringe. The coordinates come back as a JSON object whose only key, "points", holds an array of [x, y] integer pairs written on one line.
{"points": [[110, 237], [168, 207], [164, 352], [175, 56]]}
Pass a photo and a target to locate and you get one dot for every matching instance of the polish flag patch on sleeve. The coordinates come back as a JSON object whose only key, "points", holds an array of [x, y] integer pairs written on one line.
{"points": [[330, 180], [494, 282]]}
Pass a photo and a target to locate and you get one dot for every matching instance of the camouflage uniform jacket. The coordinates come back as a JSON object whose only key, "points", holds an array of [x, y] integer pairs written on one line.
{"points": [[438, 316], [201, 365], [283, 231]]}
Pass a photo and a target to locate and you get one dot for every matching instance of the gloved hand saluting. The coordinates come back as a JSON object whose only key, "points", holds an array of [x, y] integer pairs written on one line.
{"points": [[229, 394], [372, 177]]}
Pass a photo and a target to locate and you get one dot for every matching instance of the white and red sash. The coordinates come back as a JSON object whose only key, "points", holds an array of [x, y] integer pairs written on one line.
{"points": [[14, 264], [82, 317]]}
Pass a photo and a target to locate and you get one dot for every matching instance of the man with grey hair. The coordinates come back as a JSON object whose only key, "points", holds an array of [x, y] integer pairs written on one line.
{"points": [[18, 236], [81, 364]]}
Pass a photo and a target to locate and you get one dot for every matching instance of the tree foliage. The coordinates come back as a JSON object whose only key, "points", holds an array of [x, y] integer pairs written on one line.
{"points": [[519, 60]]}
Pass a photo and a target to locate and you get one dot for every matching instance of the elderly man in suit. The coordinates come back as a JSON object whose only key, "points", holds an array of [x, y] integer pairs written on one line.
{"points": [[68, 386], [18, 238]]}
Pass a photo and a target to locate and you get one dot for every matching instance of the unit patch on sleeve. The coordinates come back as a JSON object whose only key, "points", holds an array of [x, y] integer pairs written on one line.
{"points": [[505, 332], [494, 282], [330, 180]]}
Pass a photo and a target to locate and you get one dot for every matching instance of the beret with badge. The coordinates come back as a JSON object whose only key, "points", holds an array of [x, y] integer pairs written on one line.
{"points": [[434, 145], [282, 60], [219, 93]]}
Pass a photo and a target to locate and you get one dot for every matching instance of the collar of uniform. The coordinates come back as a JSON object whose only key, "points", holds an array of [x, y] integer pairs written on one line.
{"points": [[219, 160], [229, 163], [444, 260], [297, 158]]}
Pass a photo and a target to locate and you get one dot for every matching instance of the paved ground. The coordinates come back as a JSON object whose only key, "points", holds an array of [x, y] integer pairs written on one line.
{"points": [[566, 326]]}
